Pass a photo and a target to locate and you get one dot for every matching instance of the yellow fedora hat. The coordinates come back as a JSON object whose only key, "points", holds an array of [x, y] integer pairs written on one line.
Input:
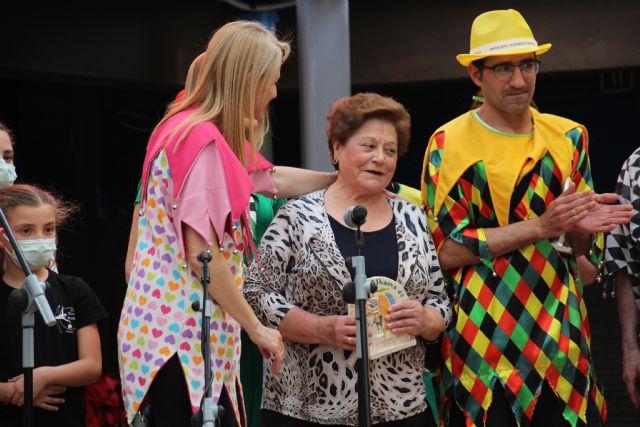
{"points": [[500, 32]]}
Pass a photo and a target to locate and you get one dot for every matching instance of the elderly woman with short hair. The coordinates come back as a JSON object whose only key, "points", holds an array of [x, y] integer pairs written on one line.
{"points": [[297, 284]]}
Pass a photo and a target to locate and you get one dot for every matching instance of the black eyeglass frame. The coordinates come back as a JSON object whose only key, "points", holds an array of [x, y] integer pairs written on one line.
{"points": [[511, 68]]}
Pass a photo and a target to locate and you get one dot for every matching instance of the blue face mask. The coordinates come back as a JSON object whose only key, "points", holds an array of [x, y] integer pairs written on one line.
{"points": [[7, 173], [38, 253]]}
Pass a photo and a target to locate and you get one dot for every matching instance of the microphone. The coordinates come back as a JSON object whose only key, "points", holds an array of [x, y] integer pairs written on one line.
{"points": [[355, 216], [349, 291], [19, 298], [205, 257]]}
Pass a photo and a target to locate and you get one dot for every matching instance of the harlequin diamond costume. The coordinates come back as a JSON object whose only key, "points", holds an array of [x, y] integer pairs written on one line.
{"points": [[521, 318]]}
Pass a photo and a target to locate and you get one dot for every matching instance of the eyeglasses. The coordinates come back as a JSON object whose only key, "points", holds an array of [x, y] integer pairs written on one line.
{"points": [[504, 72]]}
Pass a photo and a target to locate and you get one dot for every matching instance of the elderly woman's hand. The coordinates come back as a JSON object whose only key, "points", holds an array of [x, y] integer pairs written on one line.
{"points": [[339, 332], [411, 317], [269, 341]]}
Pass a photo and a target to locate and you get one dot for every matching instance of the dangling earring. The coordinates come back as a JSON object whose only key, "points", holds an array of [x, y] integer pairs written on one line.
{"points": [[335, 161]]}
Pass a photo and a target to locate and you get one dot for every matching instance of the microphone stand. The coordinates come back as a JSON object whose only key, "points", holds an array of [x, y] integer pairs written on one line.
{"points": [[207, 415], [363, 287], [29, 298]]}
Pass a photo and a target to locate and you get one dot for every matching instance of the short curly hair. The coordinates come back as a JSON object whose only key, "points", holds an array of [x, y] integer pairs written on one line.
{"points": [[348, 114]]}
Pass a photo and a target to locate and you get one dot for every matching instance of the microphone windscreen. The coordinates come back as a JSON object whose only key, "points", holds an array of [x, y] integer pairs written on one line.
{"points": [[355, 216], [349, 293]]}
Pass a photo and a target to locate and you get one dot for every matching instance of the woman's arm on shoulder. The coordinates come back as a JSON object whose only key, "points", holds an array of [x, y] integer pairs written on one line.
{"points": [[293, 182]]}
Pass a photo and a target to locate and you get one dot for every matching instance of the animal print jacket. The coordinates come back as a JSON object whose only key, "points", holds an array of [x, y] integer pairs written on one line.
{"points": [[301, 266]]}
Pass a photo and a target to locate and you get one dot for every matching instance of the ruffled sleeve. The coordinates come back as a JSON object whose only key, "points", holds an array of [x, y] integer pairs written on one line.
{"points": [[455, 219], [262, 182], [204, 200]]}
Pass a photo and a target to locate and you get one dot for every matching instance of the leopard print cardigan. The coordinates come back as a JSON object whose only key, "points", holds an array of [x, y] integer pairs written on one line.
{"points": [[301, 266]]}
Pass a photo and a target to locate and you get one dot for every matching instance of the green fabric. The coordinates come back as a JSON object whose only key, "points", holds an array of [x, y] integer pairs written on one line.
{"points": [[265, 209], [431, 395], [251, 379], [139, 194]]}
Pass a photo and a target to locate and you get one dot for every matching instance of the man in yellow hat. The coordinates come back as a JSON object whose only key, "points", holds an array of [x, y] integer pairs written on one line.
{"points": [[501, 185]]}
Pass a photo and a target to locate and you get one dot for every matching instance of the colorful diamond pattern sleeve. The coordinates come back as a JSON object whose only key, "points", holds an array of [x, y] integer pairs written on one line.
{"points": [[157, 320], [521, 319]]}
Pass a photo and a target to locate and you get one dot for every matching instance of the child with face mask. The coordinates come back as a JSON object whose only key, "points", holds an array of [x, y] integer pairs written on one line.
{"points": [[67, 355], [7, 168]]}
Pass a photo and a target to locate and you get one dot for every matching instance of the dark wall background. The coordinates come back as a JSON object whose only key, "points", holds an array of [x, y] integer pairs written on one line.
{"points": [[82, 88]]}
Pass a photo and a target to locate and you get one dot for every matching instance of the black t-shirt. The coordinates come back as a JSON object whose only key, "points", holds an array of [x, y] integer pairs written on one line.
{"points": [[74, 305], [380, 247]]}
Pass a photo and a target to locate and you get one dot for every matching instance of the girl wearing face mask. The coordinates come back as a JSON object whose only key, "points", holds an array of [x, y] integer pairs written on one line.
{"points": [[7, 168], [67, 355]]}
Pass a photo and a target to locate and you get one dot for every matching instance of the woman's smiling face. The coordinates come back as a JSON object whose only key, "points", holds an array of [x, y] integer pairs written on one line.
{"points": [[367, 160]]}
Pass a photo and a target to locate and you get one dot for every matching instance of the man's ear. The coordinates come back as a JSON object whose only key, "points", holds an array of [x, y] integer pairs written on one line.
{"points": [[475, 74]]}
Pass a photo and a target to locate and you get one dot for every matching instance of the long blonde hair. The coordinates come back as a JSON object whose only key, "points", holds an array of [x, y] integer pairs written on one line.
{"points": [[241, 58], [192, 74]]}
